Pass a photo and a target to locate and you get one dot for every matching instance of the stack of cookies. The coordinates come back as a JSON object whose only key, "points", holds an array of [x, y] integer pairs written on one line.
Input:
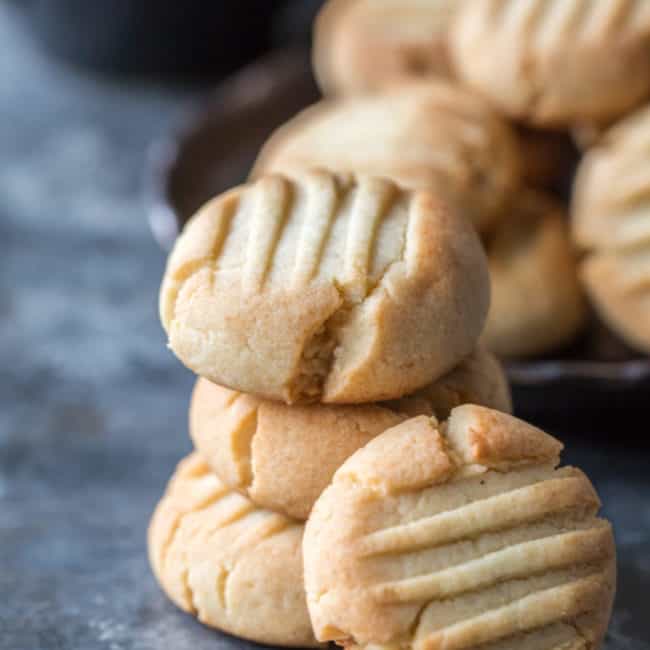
{"points": [[319, 311], [334, 321], [357, 476]]}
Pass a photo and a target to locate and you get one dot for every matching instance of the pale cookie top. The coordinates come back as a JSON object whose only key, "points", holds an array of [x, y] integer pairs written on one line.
{"points": [[555, 62], [362, 45], [324, 287], [457, 536], [231, 564], [283, 456], [611, 219], [537, 302], [430, 135]]}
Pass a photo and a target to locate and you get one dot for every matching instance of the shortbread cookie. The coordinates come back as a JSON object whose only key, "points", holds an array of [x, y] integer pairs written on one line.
{"points": [[459, 536], [324, 287], [362, 45], [283, 456], [537, 302], [422, 135], [232, 565], [611, 220], [555, 62]]}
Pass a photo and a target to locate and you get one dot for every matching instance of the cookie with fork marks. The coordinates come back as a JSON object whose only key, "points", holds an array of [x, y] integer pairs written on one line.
{"points": [[611, 222], [320, 287], [458, 536], [555, 62]]}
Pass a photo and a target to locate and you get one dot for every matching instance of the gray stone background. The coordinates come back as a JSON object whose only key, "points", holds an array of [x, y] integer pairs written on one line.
{"points": [[93, 407]]}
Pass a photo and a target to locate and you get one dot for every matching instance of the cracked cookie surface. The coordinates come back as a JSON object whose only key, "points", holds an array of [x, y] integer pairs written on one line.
{"points": [[283, 457], [322, 287], [233, 565], [423, 135], [555, 62], [458, 536]]}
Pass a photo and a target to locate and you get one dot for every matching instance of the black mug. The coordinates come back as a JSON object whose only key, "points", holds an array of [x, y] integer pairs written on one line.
{"points": [[183, 38]]}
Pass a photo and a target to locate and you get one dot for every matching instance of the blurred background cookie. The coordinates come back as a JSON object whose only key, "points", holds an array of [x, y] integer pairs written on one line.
{"points": [[422, 135], [537, 303], [234, 566], [459, 535], [555, 62], [283, 457], [362, 45], [618, 285], [611, 221], [323, 287]]}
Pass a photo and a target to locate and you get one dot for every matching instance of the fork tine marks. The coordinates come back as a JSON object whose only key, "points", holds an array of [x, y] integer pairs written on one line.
{"points": [[323, 198], [505, 510], [271, 210], [521, 19], [373, 201], [518, 561], [559, 20], [606, 17], [531, 612]]}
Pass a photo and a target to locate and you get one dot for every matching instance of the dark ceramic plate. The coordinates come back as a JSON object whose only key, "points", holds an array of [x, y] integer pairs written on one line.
{"points": [[216, 150]]}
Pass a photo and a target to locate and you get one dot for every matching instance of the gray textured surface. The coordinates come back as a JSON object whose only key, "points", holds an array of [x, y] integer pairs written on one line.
{"points": [[93, 408]]}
